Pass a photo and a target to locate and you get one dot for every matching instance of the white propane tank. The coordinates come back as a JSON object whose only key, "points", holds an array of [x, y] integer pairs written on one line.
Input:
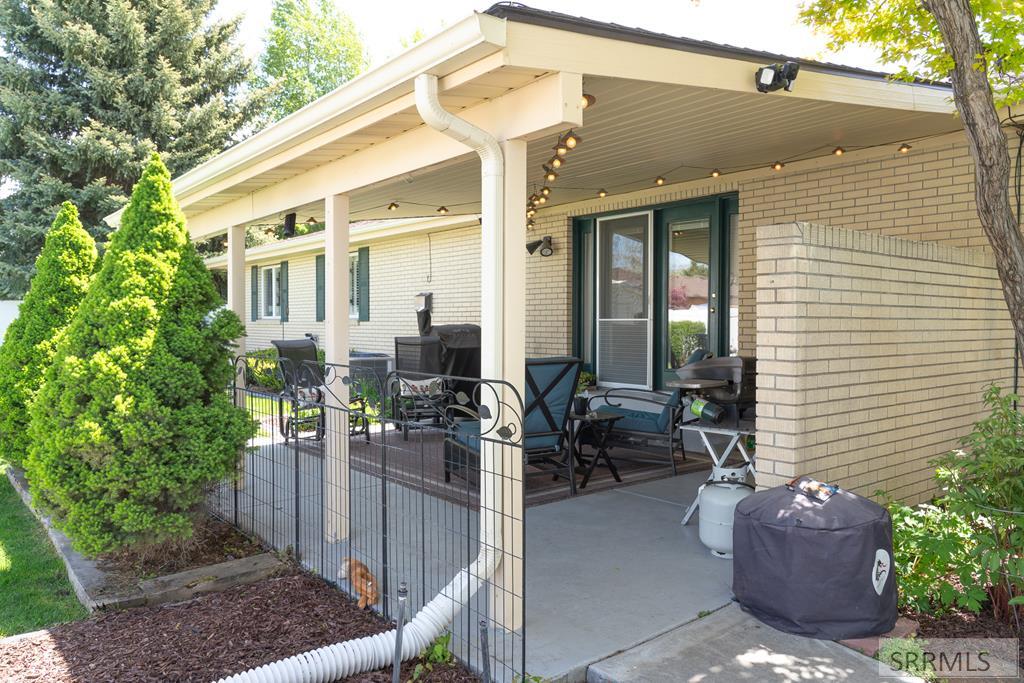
{"points": [[718, 500]]}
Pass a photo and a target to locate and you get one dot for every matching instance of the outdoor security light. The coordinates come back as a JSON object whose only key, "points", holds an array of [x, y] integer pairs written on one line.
{"points": [[776, 76], [544, 244]]}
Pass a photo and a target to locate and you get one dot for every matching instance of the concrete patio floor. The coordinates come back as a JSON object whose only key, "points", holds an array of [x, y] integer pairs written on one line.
{"points": [[609, 571]]}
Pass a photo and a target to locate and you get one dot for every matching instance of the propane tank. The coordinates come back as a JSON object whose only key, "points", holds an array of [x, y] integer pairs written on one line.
{"points": [[706, 410], [718, 500]]}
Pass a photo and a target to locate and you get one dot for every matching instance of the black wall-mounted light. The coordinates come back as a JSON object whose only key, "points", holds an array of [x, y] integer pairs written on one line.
{"points": [[776, 77], [289, 225], [544, 244]]}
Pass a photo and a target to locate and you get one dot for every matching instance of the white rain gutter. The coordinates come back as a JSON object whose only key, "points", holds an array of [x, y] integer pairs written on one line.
{"points": [[334, 662]]}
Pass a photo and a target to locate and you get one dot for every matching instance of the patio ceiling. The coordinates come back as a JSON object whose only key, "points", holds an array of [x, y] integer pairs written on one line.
{"points": [[638, 130]]}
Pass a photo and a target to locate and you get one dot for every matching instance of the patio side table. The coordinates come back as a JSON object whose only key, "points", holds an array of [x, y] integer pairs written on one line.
{"points": [[599, 424]]}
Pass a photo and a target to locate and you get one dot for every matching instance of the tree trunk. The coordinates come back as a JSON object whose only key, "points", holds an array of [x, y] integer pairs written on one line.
{"points": [[989, 148]]}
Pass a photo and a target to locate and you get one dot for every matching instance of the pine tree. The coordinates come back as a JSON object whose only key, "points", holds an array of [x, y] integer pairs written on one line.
{"points": [[311, 49], [134, 419], [63, 272], [88, 89]]}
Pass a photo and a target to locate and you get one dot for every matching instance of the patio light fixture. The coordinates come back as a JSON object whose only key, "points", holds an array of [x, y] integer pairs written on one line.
{"points": [[715, 173], [777, 166], [442, 209], [545, 191], [839, 151], [530, 224], [571, 140], [904, 148], [393, 206], [659, 181], [587, 100], [560, 149], [542, 199], [549, 174], [531, 212], [556, 162], [544, 244], [312, 221], [602, 193]]}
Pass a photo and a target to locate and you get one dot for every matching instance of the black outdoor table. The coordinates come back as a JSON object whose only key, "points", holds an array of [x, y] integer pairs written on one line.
{"points": [[599, 424]]}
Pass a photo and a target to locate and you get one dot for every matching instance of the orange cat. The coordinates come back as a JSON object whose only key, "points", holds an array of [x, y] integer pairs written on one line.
{"points": [[362, 579]]}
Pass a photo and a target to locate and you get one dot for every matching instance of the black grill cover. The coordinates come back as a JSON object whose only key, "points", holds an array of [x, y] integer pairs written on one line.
{"points": [[817, 569]]}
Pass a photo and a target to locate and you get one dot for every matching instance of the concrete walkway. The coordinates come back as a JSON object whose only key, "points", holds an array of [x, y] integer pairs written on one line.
{"points": [[730, 646]]}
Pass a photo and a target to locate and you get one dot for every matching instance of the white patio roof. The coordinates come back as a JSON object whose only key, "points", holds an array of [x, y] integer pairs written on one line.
{"points": [[664, 106]]}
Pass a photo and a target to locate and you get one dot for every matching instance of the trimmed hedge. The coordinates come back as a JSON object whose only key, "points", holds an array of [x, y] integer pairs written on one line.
{"points": [[63, 271], [134, 420]]}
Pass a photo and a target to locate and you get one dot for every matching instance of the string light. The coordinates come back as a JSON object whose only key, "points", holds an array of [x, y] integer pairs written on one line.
{"points": [[777, 166], [587, 100], [531, 212], [715, 173], [542, 200], [602, 193], [659, 181], [556, 162], [311, 221], [571, 140], [549, 174], [530, 224], [393, 206], [904, 148], [839, 151], [442, 209], [533, 198], [546, 191], [560, 149]]}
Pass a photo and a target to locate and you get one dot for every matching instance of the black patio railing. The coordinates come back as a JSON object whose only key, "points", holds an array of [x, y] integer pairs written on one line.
{"points": [[349, 464]]}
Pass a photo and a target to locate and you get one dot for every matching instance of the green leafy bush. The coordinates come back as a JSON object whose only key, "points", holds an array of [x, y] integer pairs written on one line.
{"points": [[684, 339], [63, 271], [261, 369], [932, 546], [984, 484], [134, 419]]}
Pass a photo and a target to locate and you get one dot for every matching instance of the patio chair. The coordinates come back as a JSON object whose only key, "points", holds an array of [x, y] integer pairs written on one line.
{"points": [[418, 388], [649, 423], [550, 387], [739, 371], [302, 373]]}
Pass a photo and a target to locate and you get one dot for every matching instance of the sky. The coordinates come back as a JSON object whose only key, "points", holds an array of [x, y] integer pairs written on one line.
{"points": [[770, 25]]}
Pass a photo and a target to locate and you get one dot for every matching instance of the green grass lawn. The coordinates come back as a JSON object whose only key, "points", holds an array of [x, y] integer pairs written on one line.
{"points": [[34, 587]]}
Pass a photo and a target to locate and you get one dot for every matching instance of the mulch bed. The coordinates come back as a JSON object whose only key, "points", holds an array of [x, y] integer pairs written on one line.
{"points": [[960, 624], [212, 542], [203, 639]]}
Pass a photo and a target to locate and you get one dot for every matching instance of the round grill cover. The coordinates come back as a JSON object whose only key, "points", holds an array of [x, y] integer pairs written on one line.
{"points": [[817, 569]]}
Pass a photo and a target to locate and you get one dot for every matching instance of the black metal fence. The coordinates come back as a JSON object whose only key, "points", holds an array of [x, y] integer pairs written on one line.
{"points": [[351, 469]]}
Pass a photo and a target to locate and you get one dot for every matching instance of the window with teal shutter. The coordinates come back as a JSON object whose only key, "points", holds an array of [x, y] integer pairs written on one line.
{"points": [[321, 297], [363, 280], [284, 291], [254, 292]]}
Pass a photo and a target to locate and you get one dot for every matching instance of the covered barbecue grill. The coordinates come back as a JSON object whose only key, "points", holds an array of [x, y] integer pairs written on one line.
{"points": [[815, 568]]}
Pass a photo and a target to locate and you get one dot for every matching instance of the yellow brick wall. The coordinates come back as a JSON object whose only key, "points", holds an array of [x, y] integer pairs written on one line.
{"points": [[872, 354], [446, 263]]}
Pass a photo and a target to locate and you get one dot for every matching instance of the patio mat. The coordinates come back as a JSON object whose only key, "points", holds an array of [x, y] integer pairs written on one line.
{"points": [[419, 464]]}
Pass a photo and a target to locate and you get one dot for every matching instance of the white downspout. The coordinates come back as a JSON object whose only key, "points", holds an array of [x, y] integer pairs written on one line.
{"points": [[334, 662]]}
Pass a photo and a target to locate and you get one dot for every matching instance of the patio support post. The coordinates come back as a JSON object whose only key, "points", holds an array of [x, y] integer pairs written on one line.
{"points": [[336, 240], [503, 318]]}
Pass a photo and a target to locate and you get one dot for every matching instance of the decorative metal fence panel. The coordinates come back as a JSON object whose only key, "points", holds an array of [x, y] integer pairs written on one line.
{"points": [[388, 471]]}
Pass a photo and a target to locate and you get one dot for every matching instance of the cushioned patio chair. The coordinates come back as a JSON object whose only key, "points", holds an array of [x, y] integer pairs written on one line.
{"points": [[302, 372], [550, 387], [419, 391], [648, 424]]}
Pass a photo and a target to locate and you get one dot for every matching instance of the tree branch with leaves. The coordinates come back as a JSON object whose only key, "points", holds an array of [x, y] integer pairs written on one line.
{"points": [[978, 45]]}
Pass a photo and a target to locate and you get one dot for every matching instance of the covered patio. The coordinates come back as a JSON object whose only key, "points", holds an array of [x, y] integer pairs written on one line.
{"points": [[679, 205]]}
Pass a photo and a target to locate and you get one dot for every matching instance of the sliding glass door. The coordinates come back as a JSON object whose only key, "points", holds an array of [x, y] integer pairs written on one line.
{"points": [[624, 300]]}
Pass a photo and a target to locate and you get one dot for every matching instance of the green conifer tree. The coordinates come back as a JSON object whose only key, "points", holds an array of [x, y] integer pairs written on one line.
{"points": [[63, 271], [134, 420], [88, 89]]}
